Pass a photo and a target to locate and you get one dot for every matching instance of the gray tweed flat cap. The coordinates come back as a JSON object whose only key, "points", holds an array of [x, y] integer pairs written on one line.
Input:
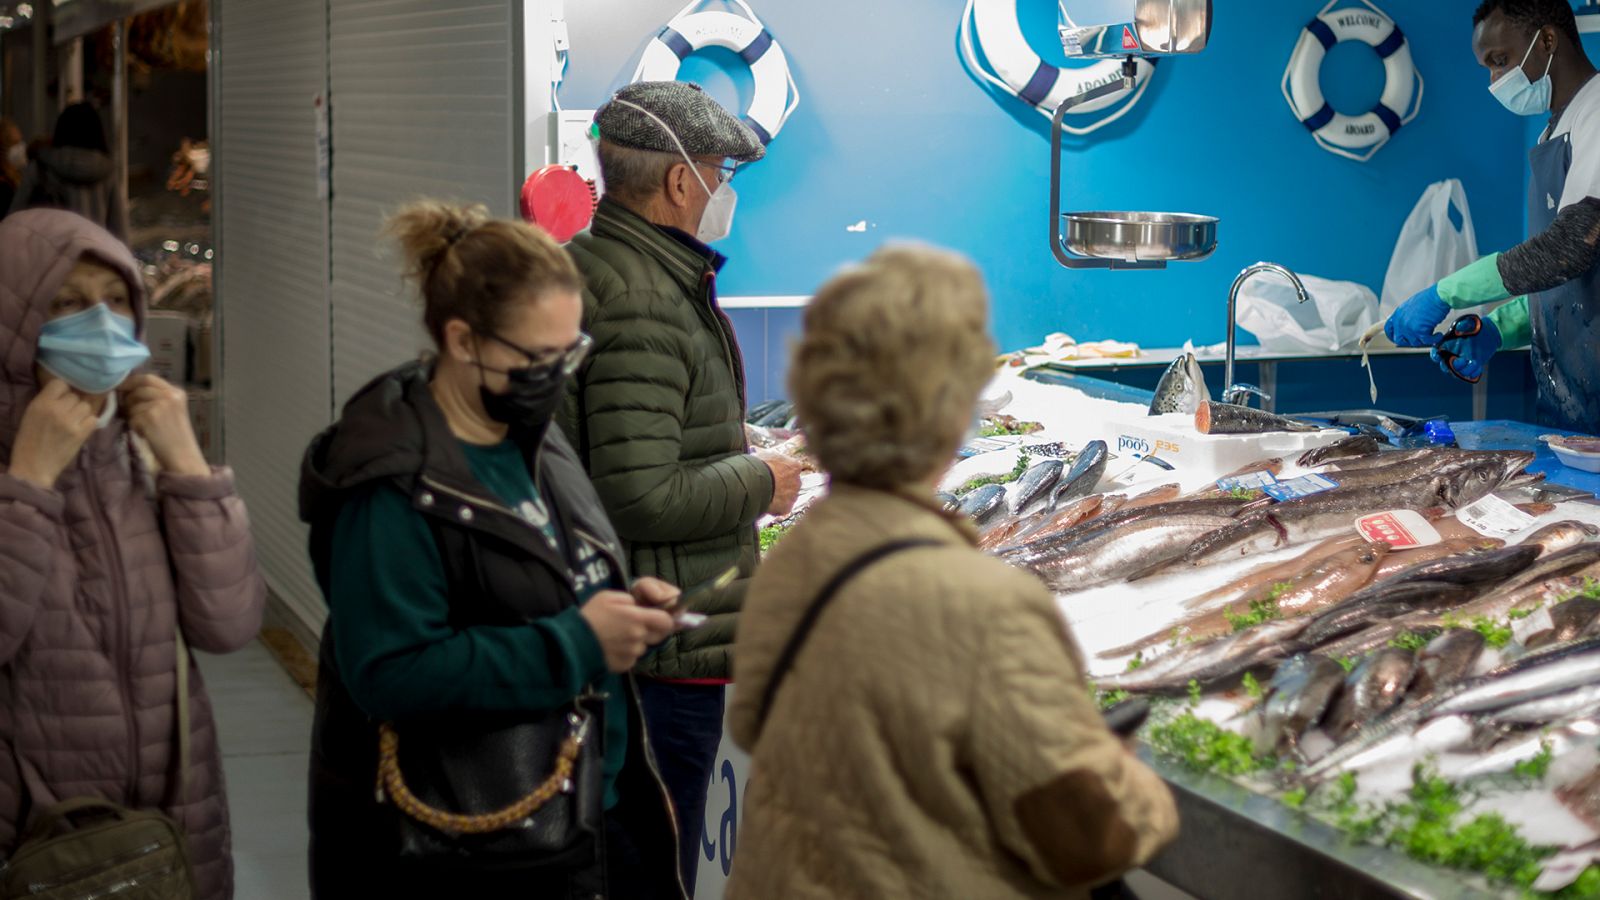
{"points": [[704, 127]]}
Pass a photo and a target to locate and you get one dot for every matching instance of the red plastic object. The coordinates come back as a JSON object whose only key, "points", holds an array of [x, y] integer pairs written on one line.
{"points": [[559, 200]]}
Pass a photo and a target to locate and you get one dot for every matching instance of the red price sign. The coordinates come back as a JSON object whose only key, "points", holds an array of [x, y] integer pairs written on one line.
{"points": [[1401, 529]]}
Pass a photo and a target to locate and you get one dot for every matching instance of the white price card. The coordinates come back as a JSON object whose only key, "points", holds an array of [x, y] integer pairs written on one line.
{"points": [[1493, 517]]}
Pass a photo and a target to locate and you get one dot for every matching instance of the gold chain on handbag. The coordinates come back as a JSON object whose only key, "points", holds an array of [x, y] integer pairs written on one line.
{"points": [[391, 783]]}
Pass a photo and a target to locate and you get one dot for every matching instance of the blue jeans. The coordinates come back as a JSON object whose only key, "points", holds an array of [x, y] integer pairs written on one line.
{"points": [[685, 725]]}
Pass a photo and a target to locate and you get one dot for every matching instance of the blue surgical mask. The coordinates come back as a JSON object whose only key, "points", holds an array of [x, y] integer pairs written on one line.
{"points": [[1523, 97], [94, 350]]}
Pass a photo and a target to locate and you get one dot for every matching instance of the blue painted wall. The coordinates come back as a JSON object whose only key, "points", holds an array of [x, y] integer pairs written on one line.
{"points": [[891, 130]]}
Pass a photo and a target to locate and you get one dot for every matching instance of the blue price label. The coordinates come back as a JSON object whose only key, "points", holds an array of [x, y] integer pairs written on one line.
{"points": [[1249, 481], [1304, 486]]}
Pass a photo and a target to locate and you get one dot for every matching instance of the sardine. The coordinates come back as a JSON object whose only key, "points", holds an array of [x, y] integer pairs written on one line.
{"points": [[1580, 701], [1471, 568], [1034, 488], [1181, 389], [1297, 698], [1084, 476], [1374, 687], [1353, 446], [1228, 418], [983, 502], [1446, 660], [1548, 677], [1114, 554], [1213, 661]]}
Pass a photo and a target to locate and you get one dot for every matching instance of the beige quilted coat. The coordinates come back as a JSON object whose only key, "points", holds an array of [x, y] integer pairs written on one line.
{"points": [[936, 738], [90, 590]]}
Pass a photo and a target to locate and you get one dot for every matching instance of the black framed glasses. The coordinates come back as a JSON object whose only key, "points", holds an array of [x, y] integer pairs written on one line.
{"points": [[725, 173], [553, 360]]}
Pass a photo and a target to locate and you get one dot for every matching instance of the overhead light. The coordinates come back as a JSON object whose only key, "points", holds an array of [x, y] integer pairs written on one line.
{"points": [[25, 10]]}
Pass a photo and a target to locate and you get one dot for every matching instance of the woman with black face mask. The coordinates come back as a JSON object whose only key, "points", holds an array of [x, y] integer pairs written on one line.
{"points": [[481, 621]]}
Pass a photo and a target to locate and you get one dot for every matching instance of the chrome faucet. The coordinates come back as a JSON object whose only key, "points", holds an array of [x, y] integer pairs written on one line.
{"points": [[1233, 392]]}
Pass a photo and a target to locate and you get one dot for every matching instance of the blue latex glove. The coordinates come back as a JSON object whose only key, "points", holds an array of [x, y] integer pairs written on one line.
{"points": [[1471, 353], [1413, 323]]}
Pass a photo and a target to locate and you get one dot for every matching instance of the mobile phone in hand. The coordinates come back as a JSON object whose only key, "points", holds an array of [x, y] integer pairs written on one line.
{"points": [[679, 609]]}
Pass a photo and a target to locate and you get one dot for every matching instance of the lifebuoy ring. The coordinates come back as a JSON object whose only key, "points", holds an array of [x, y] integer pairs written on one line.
{"points": [[776, 95], [1020, 72], [1354, 137]]}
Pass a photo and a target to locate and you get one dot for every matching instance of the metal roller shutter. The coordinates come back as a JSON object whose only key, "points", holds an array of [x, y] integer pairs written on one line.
{"points": [[423, 106], [272, 268]]}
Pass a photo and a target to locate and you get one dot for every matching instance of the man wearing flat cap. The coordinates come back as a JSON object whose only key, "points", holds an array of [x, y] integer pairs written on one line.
{"points": [[657, 410]]}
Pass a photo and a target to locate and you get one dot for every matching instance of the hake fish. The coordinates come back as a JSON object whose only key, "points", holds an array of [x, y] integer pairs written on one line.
{"points": [[1182, 387], [1353, 446], [1114, 554], [1228, 418], [1211, 662]]}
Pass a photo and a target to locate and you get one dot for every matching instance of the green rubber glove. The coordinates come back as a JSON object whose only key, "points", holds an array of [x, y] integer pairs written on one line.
{"points": [[1512, 320], [1474, 284]]}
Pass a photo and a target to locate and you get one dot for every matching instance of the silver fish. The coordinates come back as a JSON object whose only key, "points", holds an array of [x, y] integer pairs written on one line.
{"points": [[1081, 480], [1350, 447], [1582, 701], [1181, 388], [1380, 604], [1504, 757], [1567, 621], [1374, 687], [1299, 694], [1210, 662], [1116, 553], [983, 502], [1228, 418], [1446, 660], [1036, 484], [1540, 678], [1408, 742]]}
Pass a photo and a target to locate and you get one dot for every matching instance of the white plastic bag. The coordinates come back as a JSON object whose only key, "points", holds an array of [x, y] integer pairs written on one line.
{"points": [[1333, 319], [1436, 240]]}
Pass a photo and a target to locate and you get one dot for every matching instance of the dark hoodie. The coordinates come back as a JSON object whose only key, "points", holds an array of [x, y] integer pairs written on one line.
{"points": [[76, 179]]}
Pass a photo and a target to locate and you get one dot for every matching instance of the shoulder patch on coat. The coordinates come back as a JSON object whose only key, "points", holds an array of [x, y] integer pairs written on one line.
{"points": [[1077, 828]]}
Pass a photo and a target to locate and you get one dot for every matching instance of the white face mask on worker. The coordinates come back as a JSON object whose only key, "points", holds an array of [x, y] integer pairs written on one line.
{"points": [[716, 222]]}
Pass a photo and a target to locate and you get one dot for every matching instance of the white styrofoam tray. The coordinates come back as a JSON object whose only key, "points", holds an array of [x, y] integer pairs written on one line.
{"points": [[1202, 458]]}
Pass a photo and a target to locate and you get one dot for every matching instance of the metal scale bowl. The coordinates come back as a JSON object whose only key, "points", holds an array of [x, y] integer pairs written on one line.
{"points": [[1129, 240]]}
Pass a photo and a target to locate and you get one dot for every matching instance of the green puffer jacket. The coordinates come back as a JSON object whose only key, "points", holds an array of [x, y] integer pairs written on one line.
{"points": [[657, 415]]}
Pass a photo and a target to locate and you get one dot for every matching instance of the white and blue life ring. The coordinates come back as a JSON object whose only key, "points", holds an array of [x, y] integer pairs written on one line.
{"points": [[1353, 137], [1015, 69], [775, 97]]}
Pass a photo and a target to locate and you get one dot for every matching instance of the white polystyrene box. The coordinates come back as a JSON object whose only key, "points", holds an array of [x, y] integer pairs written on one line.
{"points": [[1201, 458]]}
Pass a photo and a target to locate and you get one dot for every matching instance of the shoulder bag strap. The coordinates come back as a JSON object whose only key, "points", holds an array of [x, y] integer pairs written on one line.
{"points": [[180, 794], [797, 639]]}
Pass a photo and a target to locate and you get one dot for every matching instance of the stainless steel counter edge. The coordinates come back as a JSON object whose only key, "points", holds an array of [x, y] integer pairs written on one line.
{"points": [[1235, 843]]}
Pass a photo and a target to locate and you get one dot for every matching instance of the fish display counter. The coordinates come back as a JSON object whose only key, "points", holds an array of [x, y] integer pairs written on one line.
{"points": [[1370, 669]]}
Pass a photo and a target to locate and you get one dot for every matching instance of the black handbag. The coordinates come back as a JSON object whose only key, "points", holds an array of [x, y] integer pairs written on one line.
{"points": [[505, 793]]}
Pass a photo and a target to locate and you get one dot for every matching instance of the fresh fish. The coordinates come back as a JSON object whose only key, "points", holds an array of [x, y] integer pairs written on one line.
{"points": [[1227, 418], [1034, 488], [1323, 584], [1374, 687], [1223, 507], [1276, 572], [1555, 565], [1582, 798], [1045, 525], [1471, 568], [1381, 604], [1401, 560], [950, 502], [1084, 476], [1389, 458], [1353, 446], [1331, 512], [1446, 660], [1297, 698], [1413, 469], [1114, 554], [1558, 536], [1373, 746], [1581, 701], [1156, 496], [1002, 535], [1182, 387], [983, 502], [1500, 603], [1211, 662], [1566, 621], [1571, 669], [1504, 758]]}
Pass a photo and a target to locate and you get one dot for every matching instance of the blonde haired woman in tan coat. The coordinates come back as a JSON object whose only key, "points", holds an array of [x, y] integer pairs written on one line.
{"points": [[934, 736]]}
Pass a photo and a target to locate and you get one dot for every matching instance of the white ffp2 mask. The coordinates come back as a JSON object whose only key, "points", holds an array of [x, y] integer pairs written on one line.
{"points": [[716, 222]]}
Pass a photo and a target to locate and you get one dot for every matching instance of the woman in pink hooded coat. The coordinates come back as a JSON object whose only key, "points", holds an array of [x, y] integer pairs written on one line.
{"points": [[102, 555]]}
